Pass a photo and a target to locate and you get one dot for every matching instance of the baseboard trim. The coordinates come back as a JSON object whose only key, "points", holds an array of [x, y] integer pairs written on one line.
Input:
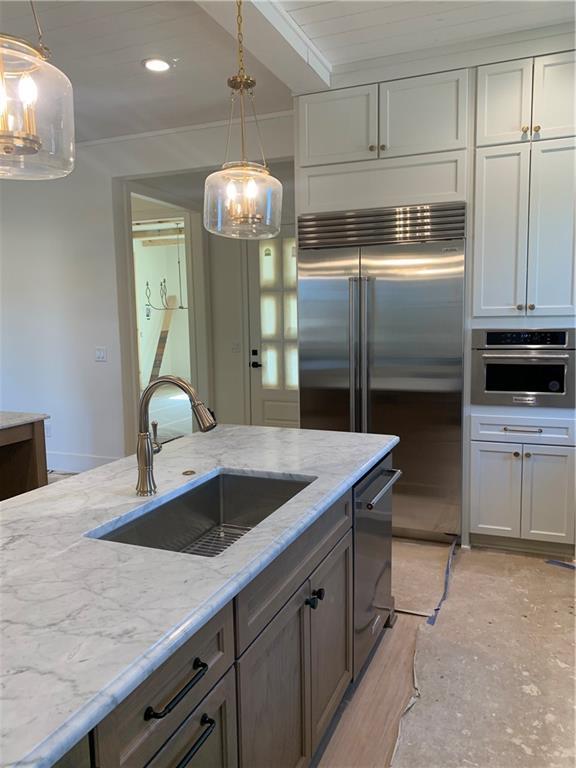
{"points": [[523, 546], [76, 462]]}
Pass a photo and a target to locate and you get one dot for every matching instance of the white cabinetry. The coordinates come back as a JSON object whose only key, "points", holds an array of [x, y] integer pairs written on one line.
{"points": [[525, 194], [501, 230], [526, 99], [496, 488], [548, 496], [504, 102], [417, 115], [552, 238], [522, 490], [554, 102], [338, 126], [424, 114]]}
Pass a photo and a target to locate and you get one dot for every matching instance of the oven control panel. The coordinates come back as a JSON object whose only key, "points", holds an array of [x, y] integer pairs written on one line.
{"points": [[523, 339]]}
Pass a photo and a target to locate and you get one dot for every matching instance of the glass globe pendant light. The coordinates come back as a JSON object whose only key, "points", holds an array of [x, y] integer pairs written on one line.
{"points": [[36, 112], [242, 200]]}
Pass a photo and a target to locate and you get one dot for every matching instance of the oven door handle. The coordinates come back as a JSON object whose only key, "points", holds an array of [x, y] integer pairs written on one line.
{"points": [[396, 475], [525, 357]]}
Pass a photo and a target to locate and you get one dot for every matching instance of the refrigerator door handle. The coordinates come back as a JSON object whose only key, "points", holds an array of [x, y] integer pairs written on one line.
{"points": [[364, 351], [353, 347]]}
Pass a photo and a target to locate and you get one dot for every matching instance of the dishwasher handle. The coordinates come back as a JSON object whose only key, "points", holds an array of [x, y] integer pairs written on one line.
{"points": [[393, 476]]}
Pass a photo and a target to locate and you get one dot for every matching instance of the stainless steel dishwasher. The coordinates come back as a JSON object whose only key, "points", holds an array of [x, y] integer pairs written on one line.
{"points": [[373, 601]]}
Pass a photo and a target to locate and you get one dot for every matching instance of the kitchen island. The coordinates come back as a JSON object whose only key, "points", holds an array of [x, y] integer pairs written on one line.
{"points": [[86, 621]]}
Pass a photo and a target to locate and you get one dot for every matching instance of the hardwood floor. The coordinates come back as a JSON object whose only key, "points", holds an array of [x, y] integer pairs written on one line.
{"points": [[365, 735]]}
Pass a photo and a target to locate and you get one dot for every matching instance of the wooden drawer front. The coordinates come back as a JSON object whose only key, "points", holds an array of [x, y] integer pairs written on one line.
{"points": [[512, 429], [125, 738], [208, 737], [259, 602]]}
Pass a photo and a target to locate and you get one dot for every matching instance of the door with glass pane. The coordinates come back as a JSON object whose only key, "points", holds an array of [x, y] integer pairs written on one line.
{"points": [[273, 352]]}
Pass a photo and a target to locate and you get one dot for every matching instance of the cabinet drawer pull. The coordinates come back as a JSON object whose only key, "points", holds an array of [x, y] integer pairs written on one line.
{"points": [[537, 128], [319, 593], [531, 306], [211, 724], [312, 602], [525, 128], [527, 455], [382, 147], [516, 454], [525, 430], [372, 147], [151, 714], [520, 306]]}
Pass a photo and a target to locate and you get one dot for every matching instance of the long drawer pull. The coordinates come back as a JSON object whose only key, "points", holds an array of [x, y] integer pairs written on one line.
{"points": [[397, 474], [525, 431], [151, 714], [204, 720]]}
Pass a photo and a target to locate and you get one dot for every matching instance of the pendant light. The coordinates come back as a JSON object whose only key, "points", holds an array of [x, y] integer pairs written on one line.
{"points": [[242, 200], [36, 111]]}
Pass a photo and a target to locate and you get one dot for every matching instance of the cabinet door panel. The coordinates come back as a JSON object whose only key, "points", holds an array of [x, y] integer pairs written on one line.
{"points": [[338, 126], [274, 691], [548, 495], [501, 230], [424, 114], [554, 103], [331, 636], [496, 486], [504, 102], [552, 238]]}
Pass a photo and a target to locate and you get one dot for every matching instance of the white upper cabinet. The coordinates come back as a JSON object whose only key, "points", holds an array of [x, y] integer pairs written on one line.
{"points": [[501, 230], [424, 114], [552, 232], [338, 126], [504, 103], [548, 495], [554, 104]]}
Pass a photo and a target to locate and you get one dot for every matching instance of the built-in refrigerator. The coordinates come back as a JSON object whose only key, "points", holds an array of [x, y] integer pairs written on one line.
{"points": [[380, 301]]}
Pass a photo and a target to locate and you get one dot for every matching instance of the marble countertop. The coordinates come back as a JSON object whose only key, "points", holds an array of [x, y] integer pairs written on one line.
{"points": [[85, 621], [16, 419]]}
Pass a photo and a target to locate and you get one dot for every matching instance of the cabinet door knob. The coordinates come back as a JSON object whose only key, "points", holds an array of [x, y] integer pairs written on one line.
{"points": [[525, 128], [312, 602], [527, 455], [382, 147], [537, 129], [372, 147], [531, 306], [256, 365], [516, 454], [319, 593], [519, 306]]}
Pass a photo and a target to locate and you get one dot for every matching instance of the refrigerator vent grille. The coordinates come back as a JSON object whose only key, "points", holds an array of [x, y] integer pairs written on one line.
{"points": [[410, 224]]}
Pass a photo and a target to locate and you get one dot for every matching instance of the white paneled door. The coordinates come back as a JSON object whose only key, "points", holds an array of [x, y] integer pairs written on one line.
{"points": [[273, 360], [554, 102], [496, 488], [504, 102], [424, 114], [552, 235], [338, 126], [501, 230], [548, 493]]}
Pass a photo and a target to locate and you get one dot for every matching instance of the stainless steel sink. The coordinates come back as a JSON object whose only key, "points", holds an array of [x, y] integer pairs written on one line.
{"points": [[210, 517]]}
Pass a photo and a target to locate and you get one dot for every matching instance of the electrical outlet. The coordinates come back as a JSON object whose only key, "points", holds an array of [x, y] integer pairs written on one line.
{"points": [[101, 355]]}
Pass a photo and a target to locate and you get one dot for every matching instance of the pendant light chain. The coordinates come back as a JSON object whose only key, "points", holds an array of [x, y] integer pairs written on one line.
{"points": [[44, 50], [241, 70]]}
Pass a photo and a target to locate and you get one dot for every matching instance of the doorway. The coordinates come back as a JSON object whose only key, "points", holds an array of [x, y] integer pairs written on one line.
{"points": [[161, 254]]}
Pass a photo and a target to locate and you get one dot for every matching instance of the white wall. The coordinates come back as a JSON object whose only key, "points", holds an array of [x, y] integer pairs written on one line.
{"points": [[58, 284]]}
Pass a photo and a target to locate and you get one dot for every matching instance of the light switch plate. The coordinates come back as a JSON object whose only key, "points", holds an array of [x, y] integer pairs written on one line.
{"points": [[101, 355]]}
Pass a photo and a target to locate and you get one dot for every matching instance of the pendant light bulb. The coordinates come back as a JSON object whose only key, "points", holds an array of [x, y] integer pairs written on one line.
{"points": [[243, 200], [36, 112]]}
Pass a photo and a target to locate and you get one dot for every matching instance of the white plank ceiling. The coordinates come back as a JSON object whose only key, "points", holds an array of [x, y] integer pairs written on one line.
{"points": [[347, 32], [100, 46]]}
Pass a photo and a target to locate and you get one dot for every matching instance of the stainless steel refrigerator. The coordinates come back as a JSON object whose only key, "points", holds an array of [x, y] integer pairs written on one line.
{"points": [[380, 301]]}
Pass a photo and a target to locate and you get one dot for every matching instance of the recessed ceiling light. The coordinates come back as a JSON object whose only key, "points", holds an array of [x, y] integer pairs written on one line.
{"points": [[157, 65]]}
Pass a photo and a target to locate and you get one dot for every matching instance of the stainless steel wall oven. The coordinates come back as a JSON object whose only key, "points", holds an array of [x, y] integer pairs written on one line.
{"points": [[524, 367]]}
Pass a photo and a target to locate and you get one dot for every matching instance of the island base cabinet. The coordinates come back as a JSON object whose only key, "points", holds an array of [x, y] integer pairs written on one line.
{"points": [[207, 738], [331, 636], [274, 691]]}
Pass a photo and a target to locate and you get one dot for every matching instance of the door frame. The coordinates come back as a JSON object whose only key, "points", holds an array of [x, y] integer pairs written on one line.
{"points": [[198, 290]]}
